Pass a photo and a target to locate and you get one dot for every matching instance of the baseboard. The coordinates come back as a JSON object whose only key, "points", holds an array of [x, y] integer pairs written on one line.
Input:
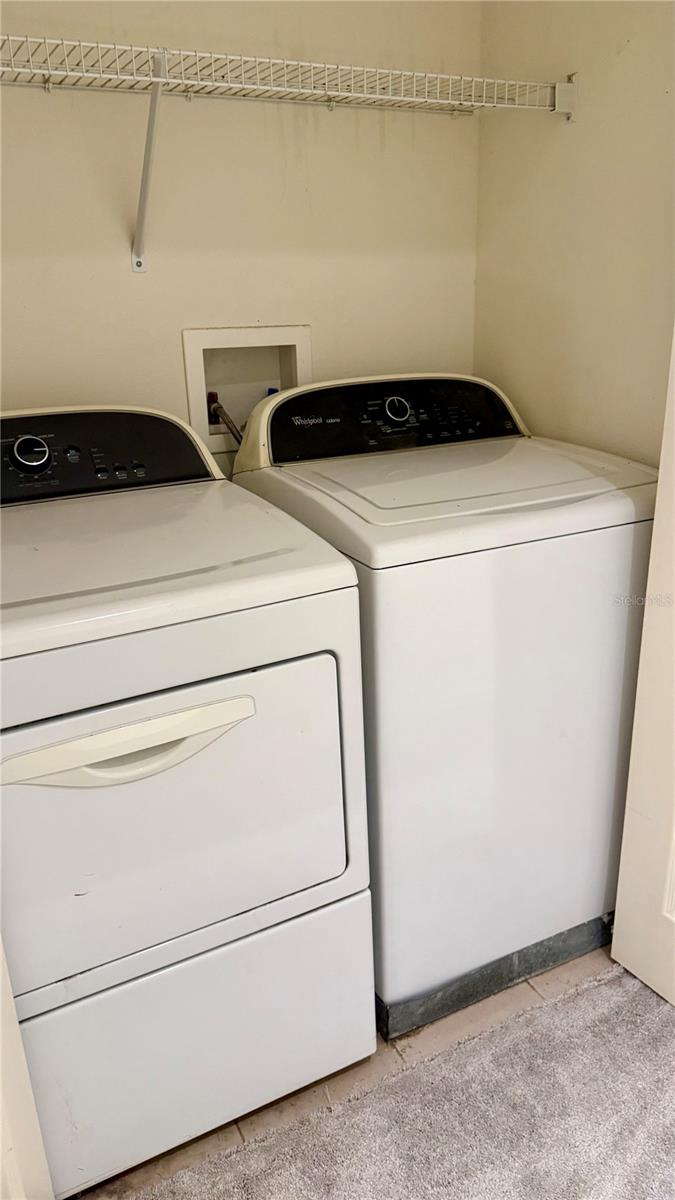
{"points": [[393, 1020]]}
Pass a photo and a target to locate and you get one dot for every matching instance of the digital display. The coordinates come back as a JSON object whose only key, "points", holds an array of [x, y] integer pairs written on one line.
{"points": [[364, 418]]}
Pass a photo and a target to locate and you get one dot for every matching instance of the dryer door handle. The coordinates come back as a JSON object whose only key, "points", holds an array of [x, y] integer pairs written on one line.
{"points": [[129, 752]]}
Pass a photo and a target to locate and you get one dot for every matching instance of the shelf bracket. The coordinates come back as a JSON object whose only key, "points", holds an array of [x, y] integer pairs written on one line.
{"points": [[138, 246], [566, 97]]}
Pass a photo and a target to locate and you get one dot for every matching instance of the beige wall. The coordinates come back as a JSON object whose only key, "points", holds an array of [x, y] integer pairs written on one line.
{"points": [[575, 241], [359, 223], [365, 225]]}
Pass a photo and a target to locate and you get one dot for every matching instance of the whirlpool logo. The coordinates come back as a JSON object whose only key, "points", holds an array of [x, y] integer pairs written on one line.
{"points": [[304, 421]]}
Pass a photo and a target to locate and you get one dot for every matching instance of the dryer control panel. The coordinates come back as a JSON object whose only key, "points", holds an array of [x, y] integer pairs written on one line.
{"points": [[366, 417], [82, 452]]}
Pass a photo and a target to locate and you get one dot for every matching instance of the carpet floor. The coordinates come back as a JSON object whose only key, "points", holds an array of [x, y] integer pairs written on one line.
{"points": [[573, 1100]]}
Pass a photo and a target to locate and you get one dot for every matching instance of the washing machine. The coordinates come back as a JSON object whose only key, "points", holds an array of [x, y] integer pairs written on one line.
{"points": [[501, 580], [186, 910]]}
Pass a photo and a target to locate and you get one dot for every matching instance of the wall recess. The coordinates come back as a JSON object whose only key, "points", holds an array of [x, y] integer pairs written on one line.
{"points": [[241, 364]]}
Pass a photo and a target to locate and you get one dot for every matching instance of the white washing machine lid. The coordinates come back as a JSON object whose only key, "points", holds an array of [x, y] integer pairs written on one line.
{"points": [[77, 570], [392, 508]]}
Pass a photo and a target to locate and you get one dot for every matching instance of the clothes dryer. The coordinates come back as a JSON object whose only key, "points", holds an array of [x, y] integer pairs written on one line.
{"points": [[186, 912]]}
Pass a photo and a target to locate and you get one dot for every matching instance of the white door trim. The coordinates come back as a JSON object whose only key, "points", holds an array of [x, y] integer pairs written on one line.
{"points": [[25, 1174], [644, 937]]}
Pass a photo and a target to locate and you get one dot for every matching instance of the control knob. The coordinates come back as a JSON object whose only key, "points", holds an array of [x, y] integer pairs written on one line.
{"points": [[30, 455], [397, 408]]}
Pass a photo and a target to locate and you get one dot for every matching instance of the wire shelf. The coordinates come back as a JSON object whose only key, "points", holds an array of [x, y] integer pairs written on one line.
{"points": [[63, 63]]}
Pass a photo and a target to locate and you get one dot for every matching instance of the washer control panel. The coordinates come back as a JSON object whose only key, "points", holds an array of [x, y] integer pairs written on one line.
{"points": [[405, 414], [80, 453]]}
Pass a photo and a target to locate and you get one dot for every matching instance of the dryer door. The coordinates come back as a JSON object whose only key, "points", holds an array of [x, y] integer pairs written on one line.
{"points": [[127, 826]]}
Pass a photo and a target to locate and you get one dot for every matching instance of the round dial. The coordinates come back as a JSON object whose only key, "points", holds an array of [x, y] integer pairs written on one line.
{"points": [[397, 408], [30, 454]]}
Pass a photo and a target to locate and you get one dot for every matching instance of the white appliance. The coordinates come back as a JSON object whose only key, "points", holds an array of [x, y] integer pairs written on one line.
{"points": [[186, 912], [501, 580]]}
